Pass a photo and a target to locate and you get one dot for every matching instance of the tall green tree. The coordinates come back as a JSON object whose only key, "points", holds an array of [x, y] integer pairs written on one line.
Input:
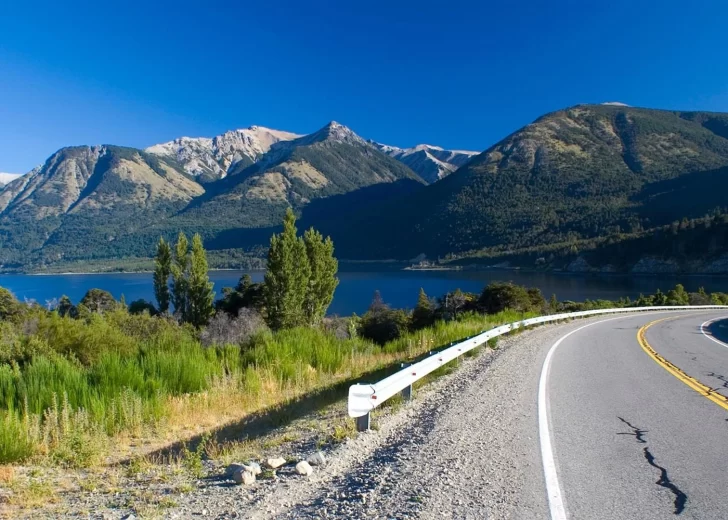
{"points": [[200, 295], [162, 270], [287, 277], [424, 313], [180, 269], [323, 281]]}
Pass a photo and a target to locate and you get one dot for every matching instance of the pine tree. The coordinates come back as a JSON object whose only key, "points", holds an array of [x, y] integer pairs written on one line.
{"points": [[180, 269], [200, 295], [424, 313], [553, 303], [322, 282], [287, 277], [162, 270]]}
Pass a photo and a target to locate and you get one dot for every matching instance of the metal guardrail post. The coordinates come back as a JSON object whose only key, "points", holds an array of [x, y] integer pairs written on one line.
{"points": [[363, 423], [407, 390]]}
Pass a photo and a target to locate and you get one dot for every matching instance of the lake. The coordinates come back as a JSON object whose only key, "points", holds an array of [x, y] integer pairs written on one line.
{"points": [[398, 288]]}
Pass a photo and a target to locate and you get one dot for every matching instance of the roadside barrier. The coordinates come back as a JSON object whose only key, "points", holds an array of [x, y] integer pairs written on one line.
{"points": [[363, 398]]}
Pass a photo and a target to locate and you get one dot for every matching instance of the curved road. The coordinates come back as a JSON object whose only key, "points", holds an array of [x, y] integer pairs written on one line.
{"points": [[630, 439], [624, 437]]}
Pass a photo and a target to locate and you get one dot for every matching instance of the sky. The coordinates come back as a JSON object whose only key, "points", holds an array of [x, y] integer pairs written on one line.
{"points": [[452, 73]]}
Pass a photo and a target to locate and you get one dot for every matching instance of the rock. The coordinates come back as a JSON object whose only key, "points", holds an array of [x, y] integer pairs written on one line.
{"points": [[130, 516], [235, 466], [244, 477], [304, 468], [317, 459], [275, 463], [254, 467]]}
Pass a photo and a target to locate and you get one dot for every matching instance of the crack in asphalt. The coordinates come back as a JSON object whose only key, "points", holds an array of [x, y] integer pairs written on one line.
{"points": [[719, 377], [664, 481], [638, 434]]}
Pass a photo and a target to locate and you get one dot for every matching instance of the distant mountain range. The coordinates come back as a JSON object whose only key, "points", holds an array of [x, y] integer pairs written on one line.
{"points": [[551, 193], [432, 163]]}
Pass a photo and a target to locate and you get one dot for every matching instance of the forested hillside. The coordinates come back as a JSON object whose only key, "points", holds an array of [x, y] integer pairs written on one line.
{"points": [[585, 172]]}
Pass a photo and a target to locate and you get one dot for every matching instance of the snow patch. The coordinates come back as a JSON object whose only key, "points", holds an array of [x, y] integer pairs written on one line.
{"points": [[8, 177], [615, 104]]}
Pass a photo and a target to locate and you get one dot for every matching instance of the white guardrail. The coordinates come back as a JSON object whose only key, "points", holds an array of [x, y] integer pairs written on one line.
{"points": [[363, 398]]}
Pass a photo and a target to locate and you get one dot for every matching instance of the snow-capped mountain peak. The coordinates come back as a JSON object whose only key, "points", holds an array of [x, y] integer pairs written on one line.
{"points": [[213, 158], [430, 162]]}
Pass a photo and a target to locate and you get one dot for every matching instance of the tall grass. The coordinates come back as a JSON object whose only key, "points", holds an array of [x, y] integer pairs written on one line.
{"points": [[68, 387]]}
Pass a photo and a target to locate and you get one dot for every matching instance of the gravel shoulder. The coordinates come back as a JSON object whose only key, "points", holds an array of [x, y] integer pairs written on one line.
{"points": [[465, 447]]}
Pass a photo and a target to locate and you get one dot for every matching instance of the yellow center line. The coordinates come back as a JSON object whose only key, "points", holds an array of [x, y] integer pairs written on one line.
{"points": [[693, 383]]}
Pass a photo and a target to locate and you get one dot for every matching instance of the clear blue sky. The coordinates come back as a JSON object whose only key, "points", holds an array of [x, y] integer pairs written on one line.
{"points": [[452, 73]]}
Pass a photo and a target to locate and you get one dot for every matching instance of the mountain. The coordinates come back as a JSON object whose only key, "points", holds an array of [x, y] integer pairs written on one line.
{"points": [[585, 172], [332, 161], [432, 163], [7, 177], [210, 159], [96, 202], [88, 196]]}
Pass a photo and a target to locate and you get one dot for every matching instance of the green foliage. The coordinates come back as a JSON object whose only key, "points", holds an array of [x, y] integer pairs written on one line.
{"points": [[200, 295], [424, 313], [66, 307], [141, 306], [98, 301], [322, 282], [162, 270], [245, 294], [382, 324], [180, 272], [287, 277], [9, 307], [499, 296]]}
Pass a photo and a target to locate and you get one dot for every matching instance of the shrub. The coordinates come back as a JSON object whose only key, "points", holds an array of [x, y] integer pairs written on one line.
{"points": [[141, 306], [226, 330], [499, 296], [10, 308], [98, 301]]}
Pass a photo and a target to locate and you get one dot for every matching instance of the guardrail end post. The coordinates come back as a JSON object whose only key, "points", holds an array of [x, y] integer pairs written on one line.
{"points": [[363, 423]]}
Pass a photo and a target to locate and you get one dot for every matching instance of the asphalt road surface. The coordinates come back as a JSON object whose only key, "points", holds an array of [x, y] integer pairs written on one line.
{"points": [[632, 440]]}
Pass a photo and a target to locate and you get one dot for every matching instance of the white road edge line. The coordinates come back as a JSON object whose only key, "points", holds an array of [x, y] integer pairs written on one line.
{"points": [[711, 338], [553, 490]]}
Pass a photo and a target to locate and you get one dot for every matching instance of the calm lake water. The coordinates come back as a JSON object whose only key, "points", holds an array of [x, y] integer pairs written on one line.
{"points": [[398, 288]]}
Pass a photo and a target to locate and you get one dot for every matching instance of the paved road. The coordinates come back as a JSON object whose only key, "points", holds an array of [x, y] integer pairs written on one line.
{"points": [[630, 439]]}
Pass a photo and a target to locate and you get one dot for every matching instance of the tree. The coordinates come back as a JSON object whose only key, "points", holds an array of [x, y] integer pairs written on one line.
{"points": [[499, 296], [287, 277], [382, 324], [322, 282], [162, 270], [199, 287], [9, 306], [424, 313], [553, 303], [659, 298], [66, 308], [98, 301], [678, 296], [141, 306], [180, 269], [245, 294]]}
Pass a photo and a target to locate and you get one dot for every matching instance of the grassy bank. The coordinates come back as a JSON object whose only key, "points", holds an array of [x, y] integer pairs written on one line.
{"points": [[80, 392]]}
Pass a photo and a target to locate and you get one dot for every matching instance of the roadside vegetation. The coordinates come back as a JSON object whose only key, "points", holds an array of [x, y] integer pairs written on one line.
{"points": [[101, 380]]}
